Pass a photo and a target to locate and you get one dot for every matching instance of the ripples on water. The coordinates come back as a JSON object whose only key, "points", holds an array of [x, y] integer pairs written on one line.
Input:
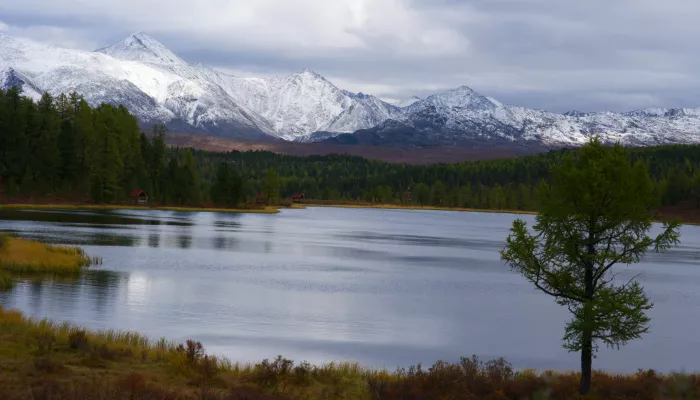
{"points": [[384, 287]]}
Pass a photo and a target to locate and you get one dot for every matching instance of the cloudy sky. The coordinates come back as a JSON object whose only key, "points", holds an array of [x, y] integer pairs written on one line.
{"points": [[557, 55]]}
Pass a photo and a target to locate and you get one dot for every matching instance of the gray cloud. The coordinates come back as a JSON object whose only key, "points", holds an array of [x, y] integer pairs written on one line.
{"points": [[549, 54]]}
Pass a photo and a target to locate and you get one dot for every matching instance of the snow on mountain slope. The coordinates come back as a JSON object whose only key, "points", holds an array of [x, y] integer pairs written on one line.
{"points": [[158, 86], [151, 85], [464, 112], [305, 102], [406, 102], [141, 47]]}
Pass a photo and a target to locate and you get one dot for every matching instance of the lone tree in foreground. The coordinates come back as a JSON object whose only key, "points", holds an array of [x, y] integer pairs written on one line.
{"points": [[595, 213]]}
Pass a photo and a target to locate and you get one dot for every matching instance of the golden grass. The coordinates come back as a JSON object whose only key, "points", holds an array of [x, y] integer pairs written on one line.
{"points": [[266, 210], [26, 256], [37, 356]]}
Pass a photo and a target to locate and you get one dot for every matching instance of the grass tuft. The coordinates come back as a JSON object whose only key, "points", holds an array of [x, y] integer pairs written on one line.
{"points": [[26, 256]]}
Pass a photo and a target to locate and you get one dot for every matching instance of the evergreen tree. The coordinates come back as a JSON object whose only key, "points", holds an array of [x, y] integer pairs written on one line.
{"points": [[271, 187], [421, 194], [68, 150], [438, 194], [596, 213]]}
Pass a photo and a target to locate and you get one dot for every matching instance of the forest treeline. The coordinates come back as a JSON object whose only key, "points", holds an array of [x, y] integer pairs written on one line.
{"points": [[61, 145]]}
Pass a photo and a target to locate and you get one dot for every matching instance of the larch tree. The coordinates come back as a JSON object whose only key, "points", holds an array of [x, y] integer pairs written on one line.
{"points": [[595, 214]]}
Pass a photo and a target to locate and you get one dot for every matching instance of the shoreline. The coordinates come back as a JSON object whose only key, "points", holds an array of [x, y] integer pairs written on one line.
{"points": [[70, 356], [458, 209], [277, 209], [420, 208], [108, 207]]}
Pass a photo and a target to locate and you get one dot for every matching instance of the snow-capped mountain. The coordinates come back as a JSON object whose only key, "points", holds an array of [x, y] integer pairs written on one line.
{"points": [[406, 102], [463, 116], [160, 87]]}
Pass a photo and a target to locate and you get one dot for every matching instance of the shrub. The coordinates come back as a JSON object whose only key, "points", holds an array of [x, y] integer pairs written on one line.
{"points": [[78, 340]]}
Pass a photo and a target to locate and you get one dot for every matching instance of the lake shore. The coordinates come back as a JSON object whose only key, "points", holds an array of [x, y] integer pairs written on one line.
{"points": [[419, 208], [685, 215], [110, 207], [65, 361]]}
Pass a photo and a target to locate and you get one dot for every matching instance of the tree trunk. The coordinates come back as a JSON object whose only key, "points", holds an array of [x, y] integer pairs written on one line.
{"points": [[586, 363], [587, 334]]}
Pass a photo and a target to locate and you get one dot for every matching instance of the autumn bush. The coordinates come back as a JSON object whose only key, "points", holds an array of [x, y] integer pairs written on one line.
{"points": [[41, 359]]}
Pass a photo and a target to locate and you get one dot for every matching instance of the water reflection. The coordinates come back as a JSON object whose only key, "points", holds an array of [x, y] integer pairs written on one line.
{"points": [[153, 240], [386, 288], [102, 218]]}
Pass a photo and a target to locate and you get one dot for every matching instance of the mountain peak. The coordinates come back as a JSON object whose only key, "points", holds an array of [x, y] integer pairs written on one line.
{"points": [[309, 73], [406, 102], [140, 46]]}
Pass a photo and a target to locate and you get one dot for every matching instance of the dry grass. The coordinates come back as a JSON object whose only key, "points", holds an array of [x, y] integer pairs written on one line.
{"points": [[26, 256], [40, 359]]}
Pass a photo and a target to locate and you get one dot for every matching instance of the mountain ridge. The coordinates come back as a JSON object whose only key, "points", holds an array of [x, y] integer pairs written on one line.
{"points": [[160, 87]]}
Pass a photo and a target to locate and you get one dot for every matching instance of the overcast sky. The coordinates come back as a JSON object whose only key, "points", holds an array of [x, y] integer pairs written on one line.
{"points": [[557, 55]]}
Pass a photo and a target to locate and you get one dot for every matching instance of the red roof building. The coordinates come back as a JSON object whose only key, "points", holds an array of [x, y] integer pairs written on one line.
{"points": [[138, 196]]}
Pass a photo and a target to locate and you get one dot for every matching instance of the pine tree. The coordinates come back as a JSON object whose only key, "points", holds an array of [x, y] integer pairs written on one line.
{"points": [[596, 213], [271, 187]]}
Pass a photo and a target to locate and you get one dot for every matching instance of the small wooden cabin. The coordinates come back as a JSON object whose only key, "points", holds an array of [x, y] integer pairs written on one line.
{"points": [[298, 198], [139, 197]]}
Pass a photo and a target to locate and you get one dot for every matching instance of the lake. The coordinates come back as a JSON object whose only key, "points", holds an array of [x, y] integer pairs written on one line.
{"points": [[386, 288]]}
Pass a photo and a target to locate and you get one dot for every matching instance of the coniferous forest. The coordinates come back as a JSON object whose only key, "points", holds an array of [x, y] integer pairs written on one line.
{"points": [[60, 146]]}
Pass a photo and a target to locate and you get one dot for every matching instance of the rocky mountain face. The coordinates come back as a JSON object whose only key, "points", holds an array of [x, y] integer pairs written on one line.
{"points": [[160, 87]]}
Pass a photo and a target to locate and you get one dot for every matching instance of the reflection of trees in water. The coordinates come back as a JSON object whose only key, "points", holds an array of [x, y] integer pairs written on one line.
{"points": [[222, 242], [184, 241], [101, 219], [110, 239], [154, 240], [6, 295], [104, 287], [36, 291], [268, 231]]}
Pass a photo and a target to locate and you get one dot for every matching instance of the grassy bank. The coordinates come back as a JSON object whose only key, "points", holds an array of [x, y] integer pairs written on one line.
{"points": [[412, 207], [42, 360], [107, 207], [26, 256]]}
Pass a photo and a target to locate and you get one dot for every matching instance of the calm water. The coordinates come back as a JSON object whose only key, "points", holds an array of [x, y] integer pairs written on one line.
{"points": [[384, 287]]}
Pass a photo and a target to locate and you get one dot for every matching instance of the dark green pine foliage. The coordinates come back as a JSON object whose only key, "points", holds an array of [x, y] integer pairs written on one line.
{"points": [[228, 188], [101, 153], [595, 215]]}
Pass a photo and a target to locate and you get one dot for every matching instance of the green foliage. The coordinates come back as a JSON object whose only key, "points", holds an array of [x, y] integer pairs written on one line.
{"points": [[271, 189], [596, 213], [101, 153], [228, 187]]}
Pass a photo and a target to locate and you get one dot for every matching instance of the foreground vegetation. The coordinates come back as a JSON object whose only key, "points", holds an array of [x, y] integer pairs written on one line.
{"points": [[20, 256], [42, 360]]}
